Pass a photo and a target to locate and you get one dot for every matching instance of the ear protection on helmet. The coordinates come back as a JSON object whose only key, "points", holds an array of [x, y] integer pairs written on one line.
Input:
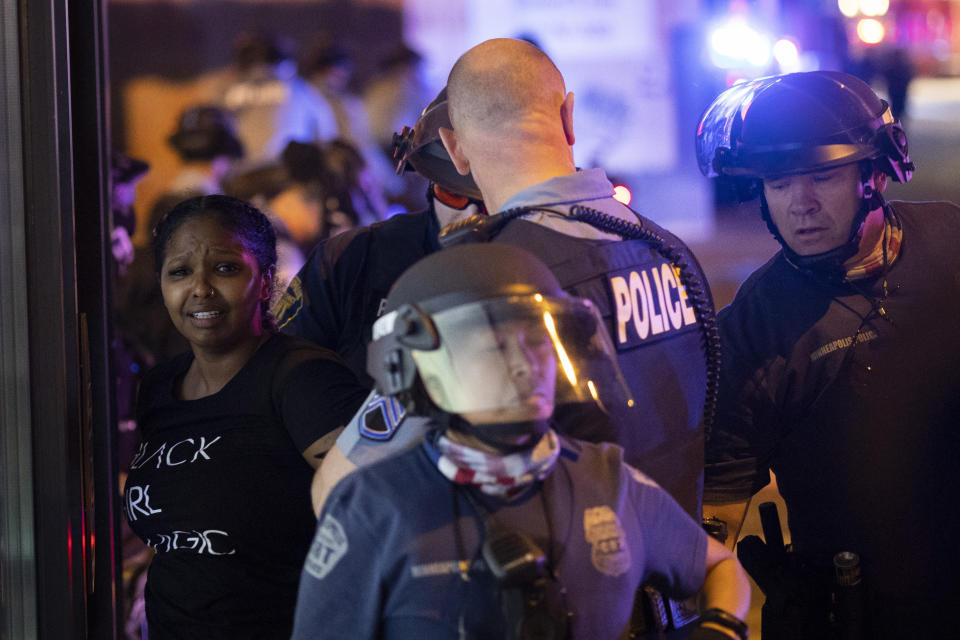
{"points": [[395, 336], [891, 141]]}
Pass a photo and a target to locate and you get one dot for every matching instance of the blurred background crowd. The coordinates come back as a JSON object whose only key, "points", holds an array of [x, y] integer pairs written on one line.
{"points": [[210, 93]]}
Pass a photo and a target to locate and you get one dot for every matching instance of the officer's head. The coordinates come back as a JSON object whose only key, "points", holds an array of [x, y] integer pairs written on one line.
{"points": [[484, 332], [500, 84], [817, 146], [511, 116]]}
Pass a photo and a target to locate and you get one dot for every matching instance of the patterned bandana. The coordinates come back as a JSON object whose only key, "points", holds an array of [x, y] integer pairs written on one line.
{"points": [[868, 263], [503, 476]]}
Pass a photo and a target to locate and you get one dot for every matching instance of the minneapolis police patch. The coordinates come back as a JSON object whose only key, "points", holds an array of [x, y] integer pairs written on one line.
{"points": [[329, 545], [649, 303], [380, 417]]}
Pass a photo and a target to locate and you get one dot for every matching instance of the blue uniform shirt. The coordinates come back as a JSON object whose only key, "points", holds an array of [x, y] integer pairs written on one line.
{"points": [[397, 555]]}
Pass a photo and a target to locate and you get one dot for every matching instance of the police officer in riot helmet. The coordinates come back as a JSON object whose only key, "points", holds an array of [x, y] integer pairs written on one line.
{"points": [[839, 363], [824, 123], [495, 526], [271, 103]]}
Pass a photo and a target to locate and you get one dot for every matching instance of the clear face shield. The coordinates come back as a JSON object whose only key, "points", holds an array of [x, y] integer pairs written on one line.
{"points": [[514, 359]]}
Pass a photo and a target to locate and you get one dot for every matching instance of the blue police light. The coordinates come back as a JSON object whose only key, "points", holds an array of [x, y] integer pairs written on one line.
{"points": [[735, 44]]}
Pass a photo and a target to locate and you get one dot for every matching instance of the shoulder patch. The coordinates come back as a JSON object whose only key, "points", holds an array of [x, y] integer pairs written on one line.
{"points": [[380, 417], [329, 546], [290, 303]]}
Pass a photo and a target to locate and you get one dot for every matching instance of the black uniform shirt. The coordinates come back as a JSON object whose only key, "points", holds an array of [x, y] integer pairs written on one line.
{"points": [[863, 438]]}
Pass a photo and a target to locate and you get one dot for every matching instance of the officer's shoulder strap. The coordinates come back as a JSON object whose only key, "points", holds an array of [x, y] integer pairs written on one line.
{"points": [[571, 259]]}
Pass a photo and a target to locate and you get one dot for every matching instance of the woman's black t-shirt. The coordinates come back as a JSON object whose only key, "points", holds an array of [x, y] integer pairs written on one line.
{"points": [[220, 490]]}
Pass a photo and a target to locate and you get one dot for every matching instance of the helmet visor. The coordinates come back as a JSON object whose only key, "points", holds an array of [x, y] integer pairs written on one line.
{"points": [[796, 123], [421, 149], [515, 358]]}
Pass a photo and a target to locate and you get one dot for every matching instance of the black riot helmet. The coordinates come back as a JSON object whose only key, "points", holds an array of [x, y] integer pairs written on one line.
{"points": [[485, 329], [420, 149], [799, 123]]}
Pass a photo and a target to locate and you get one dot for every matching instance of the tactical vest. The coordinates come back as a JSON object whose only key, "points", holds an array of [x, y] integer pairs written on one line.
{"points": [[659, 347]]}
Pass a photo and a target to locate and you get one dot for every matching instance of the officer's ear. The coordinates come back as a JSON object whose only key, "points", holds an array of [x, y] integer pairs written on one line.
{"points": [[566, 117], [455, 150]]}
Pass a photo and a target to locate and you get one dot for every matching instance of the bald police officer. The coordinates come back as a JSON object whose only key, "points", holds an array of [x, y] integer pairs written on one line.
{"points": [[512, 130]]}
